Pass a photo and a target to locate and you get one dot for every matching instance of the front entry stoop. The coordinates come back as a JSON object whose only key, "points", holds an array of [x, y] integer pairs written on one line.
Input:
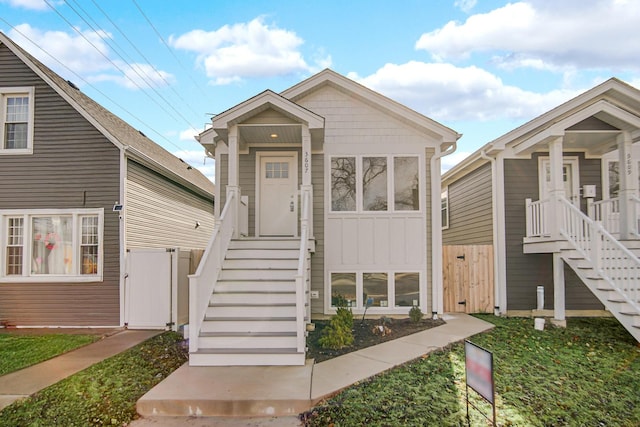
{"points": [[230, 391]]}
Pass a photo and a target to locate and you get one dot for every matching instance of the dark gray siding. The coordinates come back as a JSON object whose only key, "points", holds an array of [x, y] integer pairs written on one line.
{"points": [[72, 166], [163, 214], [527, 271], [317, 259], [470, 212]]}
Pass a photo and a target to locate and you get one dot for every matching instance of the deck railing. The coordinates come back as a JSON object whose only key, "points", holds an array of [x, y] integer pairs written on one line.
{"points": [[537, 218], [202, 283], [302, 275], [610, 258], [607, 212]]}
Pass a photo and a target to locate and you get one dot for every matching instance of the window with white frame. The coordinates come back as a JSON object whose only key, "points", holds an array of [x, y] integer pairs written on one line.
{"points": [[17, 120], [380, 290], [444, 207], [375, 184], [52, 246], [612, 179]]}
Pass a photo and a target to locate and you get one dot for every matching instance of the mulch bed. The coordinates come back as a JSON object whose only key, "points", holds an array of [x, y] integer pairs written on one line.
{"points": [[364, 335]]}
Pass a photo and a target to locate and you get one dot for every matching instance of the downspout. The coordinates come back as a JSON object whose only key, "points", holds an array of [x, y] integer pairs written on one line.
{"points": [[436, 233], [494, 219]]}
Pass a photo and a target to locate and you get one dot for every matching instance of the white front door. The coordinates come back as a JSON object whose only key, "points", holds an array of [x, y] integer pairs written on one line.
{"points": [[570, 178], [277, 203]]}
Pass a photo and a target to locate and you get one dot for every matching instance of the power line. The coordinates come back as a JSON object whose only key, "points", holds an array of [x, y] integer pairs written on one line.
{"points": [[133, 45], [167, 46], [90, 85]]}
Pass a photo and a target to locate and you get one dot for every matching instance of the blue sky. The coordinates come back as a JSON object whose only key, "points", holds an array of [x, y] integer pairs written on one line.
{"points": [[479, 67]]}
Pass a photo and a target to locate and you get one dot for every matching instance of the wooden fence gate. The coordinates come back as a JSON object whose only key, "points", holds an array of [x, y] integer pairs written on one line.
{"points": [[468, 278]]}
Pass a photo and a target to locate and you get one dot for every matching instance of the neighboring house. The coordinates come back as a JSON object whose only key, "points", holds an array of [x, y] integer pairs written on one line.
{"points": [[78, 188], [540, 197], [327, 168]]}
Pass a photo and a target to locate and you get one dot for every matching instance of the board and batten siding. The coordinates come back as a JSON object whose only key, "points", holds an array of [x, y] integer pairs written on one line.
{"points": [[527, 271], [470, 209], [73, 166], [380, 241], [160, 213]]}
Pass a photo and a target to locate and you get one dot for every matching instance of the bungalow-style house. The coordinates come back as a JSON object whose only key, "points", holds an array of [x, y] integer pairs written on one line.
{"points": [[326, 195], [556, 201], [79, 187]]}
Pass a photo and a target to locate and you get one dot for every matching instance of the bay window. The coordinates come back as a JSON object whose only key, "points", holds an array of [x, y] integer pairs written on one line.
{"points": [[52, 246]]}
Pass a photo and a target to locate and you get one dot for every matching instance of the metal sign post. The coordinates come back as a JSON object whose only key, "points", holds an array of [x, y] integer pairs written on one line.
{"points": [[479, 376]]}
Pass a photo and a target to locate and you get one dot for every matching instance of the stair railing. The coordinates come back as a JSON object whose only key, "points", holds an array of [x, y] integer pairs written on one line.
{"points": [[608, 212], [302, 275], [202, 283], [537, 219], [610, 258]]}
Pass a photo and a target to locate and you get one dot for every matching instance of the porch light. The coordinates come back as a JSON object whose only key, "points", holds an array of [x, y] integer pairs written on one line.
{"points": [[274, 135]]}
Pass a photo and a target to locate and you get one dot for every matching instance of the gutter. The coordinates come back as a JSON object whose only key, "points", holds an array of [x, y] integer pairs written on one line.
{"points": [[436, 227]]}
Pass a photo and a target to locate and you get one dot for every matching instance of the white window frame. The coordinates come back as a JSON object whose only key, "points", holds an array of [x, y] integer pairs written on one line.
{"points": [[26, 276], [360, 304], [605, 177], [444, 207], [6, 92], [359, 210]]}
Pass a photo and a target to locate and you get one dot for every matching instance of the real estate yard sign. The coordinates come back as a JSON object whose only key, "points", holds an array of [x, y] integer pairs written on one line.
{"points": [[479, 373]]}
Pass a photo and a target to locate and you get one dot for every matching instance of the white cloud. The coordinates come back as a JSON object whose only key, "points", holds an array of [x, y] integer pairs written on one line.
{"points": [[188, 135], [253, 49], [465, 5], [445, 92], [31, 4], [447, 162], [543, 34], [136, 76], [198, 160]]}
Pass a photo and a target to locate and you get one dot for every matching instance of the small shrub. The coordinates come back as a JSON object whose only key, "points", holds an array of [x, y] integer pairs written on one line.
{"points": [[415, 314], [339, 333]]}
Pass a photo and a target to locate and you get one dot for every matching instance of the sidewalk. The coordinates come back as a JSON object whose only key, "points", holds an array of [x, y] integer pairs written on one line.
{"points": [[27, 381], [284, 391]]}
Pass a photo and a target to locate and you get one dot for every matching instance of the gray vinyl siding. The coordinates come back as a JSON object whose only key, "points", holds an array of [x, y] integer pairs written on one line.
{"points": [[470, 211], [317, 259], [162, 214], [527, 271], [72, 166]]}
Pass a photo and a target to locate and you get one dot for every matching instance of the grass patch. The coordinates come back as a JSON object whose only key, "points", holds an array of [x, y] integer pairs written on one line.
{"points": [[587, 374], [20, 351], [105, 393]]}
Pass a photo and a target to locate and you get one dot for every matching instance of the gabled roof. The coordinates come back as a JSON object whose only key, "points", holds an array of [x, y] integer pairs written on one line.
{"points": [[615, 103], [135, 144], [375, 99]]}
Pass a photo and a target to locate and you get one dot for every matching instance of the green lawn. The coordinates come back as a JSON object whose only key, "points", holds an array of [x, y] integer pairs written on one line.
{"points": [[585, 375], [20, 351], [105, 393]]}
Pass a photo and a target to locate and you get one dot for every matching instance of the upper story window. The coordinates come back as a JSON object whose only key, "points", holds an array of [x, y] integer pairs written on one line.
{"points": [[51, 246], [375, 184], [17, 120]]}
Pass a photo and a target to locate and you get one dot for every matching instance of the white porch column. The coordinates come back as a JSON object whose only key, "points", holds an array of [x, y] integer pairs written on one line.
{"points": [[233, 185], [558, 291], [628, 185], [306, 173], [556, 189]]}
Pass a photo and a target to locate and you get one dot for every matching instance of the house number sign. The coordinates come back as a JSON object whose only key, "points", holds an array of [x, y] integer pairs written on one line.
{"points": [[629, 164], [306, 162]]}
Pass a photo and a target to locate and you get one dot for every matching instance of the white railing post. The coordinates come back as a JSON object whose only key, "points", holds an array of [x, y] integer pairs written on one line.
{"points": [[302, 275]]}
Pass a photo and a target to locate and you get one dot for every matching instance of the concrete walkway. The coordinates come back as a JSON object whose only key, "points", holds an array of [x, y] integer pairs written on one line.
{"points": [[27, 381], [284, 391]]}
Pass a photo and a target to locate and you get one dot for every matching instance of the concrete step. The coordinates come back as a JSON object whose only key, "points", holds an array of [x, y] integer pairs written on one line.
{"points": [[260, 264], [255, 286], [247, 357], [249, 324], [262, 274], [253, 298]]}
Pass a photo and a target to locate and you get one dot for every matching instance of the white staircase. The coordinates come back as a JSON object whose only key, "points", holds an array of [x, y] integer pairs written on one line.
{"points": [[607, 267], [251, 315]]}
